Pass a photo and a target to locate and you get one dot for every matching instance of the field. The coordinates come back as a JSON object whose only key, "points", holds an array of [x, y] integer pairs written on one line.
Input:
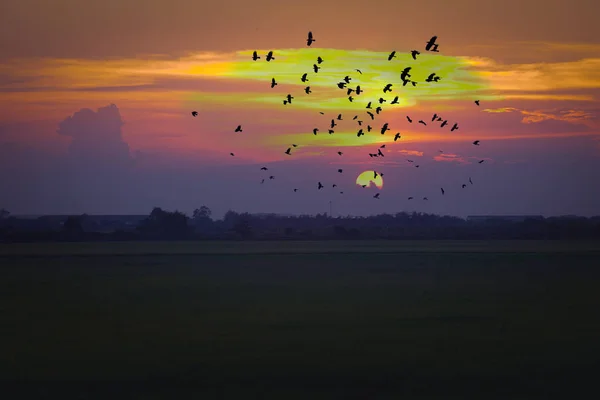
{"points": [[300, 320]]}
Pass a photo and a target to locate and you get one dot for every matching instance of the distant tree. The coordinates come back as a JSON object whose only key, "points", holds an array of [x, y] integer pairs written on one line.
{"points": [[73, 226], [242, 227], [202, 213], [165, 224]]}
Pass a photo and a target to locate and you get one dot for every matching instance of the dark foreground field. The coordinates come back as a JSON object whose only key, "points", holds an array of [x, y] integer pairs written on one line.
{"points": [[347, 320]]}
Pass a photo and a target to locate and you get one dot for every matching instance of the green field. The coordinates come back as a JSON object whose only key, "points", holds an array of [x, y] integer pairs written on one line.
{"points": [[300, 320]]}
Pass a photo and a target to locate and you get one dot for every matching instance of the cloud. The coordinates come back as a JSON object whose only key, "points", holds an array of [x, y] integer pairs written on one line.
{"points": [[411, 153], [96, 138], [448, 157]]}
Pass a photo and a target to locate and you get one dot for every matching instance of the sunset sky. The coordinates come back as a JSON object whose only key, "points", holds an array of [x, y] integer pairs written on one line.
{"points": [[96, 100]]}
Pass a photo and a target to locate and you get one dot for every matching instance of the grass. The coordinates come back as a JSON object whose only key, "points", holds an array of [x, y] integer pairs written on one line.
{"points": [[300, 320]]}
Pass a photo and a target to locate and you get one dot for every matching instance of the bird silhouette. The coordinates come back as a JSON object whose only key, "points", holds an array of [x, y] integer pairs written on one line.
{"points": [[395, 101], [271, 177], [425, 198], [316, 68], [376, 195], [350, 90], [238, 129], [464, 186], [310, 39], [480, 162], [288, 151], [295, 190], [264, 169], [382, 146], [307, 90], [368, 105], [347, 79], [470, 181], [359, 71], [378, 110], [382, 100], [358, 90], [387, 88], [294, 145], [340, 170], [194, 113], [319, 60], [289, 98], [477, 102], [340, 153], [270, 56], [442, 189], [351, 99], [431, 43], [422, 122], [476, 143], [360, 133], [319, 186], [380, 154], [434, 117], [371, 115], [331, 131], [341, 85], [359, 123], [410, 198], [414, 54], [454, 127], [355, 117], [333, 124], [231, 154], [334, 185], [430, 78], [273, 83], [315, 131], [255, 56], [405, 73], [304, 77], [384, 128], [408, 118], [339, 117], [396, 136], [369, 128], [263, 181], [444, 123], [392, 55]]}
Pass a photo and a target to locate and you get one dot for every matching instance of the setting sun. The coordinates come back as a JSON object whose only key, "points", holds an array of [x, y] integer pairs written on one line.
{"points": [[368, 177]]}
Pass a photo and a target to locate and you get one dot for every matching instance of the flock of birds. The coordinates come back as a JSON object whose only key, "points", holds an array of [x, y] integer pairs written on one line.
{"points": [[405, 76]]}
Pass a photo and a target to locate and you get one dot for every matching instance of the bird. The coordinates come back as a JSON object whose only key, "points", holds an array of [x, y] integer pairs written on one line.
{"points": [[444, 123], [289, 98], [288, 151], [425, 198], [477, 102], [464, 186], [392, 55], [414, 54], [434, 117], [410, 198], [369, 128], [295, 190], [430, 78], [380, 154], [382, 146], [382, 100], [476, 143], [231, 154], [350, 90], [408, 118], [371, 115], [307, 90], [271, 177], [194, 113], [315, 131], [340, 153], [238, 129], [355, 117], [470, 181], [413, 83], [294, 145], [263, 181], [347, 79], [273, 83], [364, 186], [340, 170], [442, 189], [321, 112], [255, 56], [396, 136], [264, 169], [360, 133], [436, 79], [368, 105], [316, 68], [359, 71], [319, 186], [405, 73], [319, 60], [331, 131], [376, 195], [384, 128], [422, 122], [431, 43], [304, 77], [333, 124], [270, 56], [358, 90], [481, 161], [351, 99], [455, 127], [359, 123], [387, 88], [334, 185], [341, 85], [378, 110], [395, 101], [339, 117], [310, 39]]}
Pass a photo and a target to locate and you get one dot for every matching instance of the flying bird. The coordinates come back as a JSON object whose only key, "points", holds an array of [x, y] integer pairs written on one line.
{"points": [[371, 115], [410, 198], [351, 99], [350, 90], [397, 136], [295, 190], [264, 169], [273, 83], [392, 55], [395, 101], [378, 110], [431, 43], [430, 78], [382, 100], [444, 123], [340, 153], [384, 128], [270, 56], [316, 68], [442, 189], [315, 131], [289, 98], [376, 195], [341, 85], [369, 128], [231, 154], [476, 143], [481, 161], [408, 118], [470, 181], [271, 177], [359, 71], [310, 39], [455, 127], [358, 90], [319, 186], [422, 122], [414, 54], [379, 153], [307, 90], [255, 56], [434, 117], [368, 105], [464, 186], [304, 77], [387, 88], [319, 60], [340, 170], [194, 113], [425, 198], [238, 129], [288, 151], [347, 79], [333, 124], [331, 131], [477, 102], [339, 117]]}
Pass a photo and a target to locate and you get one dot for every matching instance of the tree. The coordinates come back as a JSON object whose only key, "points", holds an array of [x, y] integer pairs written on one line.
{"points": [[72, 226], [164, 224], [202, 213]]}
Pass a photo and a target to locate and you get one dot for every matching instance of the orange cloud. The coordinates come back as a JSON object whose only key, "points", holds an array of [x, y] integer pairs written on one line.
{"points": [[533, 116], [411, 153], [448, 157]]}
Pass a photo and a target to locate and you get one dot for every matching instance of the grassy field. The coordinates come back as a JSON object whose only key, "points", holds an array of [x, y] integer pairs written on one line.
{"points": [[300, 320]]}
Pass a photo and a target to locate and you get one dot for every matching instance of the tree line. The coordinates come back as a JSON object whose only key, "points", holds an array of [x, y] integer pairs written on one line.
{"points": [[174, 225]]}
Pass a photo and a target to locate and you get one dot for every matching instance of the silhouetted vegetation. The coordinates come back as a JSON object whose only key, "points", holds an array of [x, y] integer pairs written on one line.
{"points": [[174, 225]]}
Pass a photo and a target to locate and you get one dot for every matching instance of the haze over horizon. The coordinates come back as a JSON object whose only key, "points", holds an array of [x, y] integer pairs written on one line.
{"points": [[96, 101]]}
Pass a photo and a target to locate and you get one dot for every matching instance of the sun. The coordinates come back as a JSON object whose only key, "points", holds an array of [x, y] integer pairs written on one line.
{"points": [[368, 177]]}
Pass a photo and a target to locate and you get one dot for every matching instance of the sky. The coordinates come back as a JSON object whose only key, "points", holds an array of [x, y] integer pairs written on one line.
{"points": [[96, 101]]}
